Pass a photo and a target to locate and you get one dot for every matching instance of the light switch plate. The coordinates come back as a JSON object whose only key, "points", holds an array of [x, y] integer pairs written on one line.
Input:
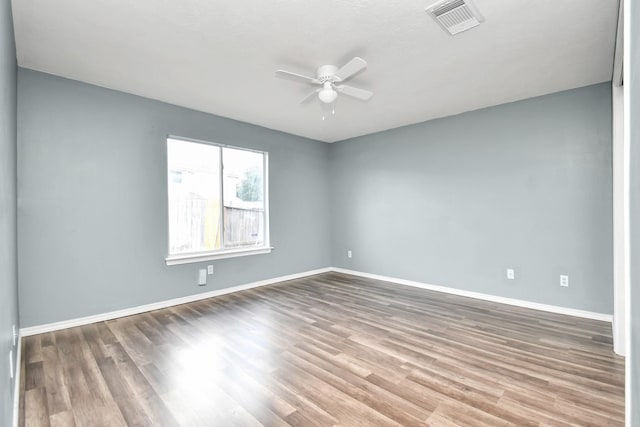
{"points": [[202, 277]]}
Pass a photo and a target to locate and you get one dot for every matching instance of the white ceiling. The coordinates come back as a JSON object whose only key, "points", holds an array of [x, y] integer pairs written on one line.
{"points": [[219, 56]]}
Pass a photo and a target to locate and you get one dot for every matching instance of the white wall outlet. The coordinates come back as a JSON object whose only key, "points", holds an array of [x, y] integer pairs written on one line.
{"points": [[511, 274], [349, 254], [564, 280], [209, 269], [15, 335], [202, 277], [11, 363]]}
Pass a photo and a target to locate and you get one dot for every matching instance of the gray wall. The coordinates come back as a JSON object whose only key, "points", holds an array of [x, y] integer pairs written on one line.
{"points": [[8, 264], [92, 200], [633, 351], [453, 201], [457, 201]]}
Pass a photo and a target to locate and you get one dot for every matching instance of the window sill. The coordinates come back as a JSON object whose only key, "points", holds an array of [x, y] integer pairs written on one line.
{"points": [[210, 256]]}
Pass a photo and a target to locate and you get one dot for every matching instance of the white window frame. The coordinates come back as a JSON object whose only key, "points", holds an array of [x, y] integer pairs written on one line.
{"points": [[191, 257]]}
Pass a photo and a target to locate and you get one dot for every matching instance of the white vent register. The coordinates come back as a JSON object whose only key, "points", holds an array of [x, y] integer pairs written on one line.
{"points": [[455, 16]]}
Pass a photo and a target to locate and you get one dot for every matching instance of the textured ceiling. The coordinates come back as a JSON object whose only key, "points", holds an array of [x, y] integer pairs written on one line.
{"points": [[220, 56]]}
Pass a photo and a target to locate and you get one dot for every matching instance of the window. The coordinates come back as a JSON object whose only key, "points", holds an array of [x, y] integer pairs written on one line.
{"points": [[217, 201]]}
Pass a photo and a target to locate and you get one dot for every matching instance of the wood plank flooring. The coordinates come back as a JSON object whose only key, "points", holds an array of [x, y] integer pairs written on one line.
{"points": [[326, 350]]}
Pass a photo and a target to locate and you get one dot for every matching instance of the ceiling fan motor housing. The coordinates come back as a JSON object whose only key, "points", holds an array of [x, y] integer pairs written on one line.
{"points": [[326, 73]]}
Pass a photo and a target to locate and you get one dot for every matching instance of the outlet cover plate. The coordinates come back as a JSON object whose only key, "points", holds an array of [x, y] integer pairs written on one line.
{"points": [[564, 280]]}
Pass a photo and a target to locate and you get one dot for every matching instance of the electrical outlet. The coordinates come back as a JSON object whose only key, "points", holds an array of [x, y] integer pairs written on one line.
{"points": [[209, 269], [11, 364], [202, 277], [511, 274], [564, 280], [349, 254]]}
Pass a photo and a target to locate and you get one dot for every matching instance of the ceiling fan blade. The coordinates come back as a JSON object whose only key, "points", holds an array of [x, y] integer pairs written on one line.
{"points": [[310, 96], [350, 68], [354, 92], [298, 77]]}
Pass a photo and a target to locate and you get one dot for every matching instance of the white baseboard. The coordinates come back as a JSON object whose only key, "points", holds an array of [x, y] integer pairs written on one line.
{"points": [[39, 329], [619, 344], [49, 327], [16, 383], [502, 300]]}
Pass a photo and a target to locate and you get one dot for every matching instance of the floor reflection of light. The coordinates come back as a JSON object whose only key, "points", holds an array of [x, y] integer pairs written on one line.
{"points": [[224, 369], [204, 357], [194, 381], [199, 367]]}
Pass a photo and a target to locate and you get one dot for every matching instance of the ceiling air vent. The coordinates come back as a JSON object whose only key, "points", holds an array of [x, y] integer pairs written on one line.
{"points": [[455, 16]]}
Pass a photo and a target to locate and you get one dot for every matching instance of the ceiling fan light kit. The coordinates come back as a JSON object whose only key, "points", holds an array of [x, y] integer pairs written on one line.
{"points": [[327, 94], [330, 78]]}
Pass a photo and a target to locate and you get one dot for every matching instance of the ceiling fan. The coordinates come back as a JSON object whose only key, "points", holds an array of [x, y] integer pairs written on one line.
{"points": [[329, 78]]}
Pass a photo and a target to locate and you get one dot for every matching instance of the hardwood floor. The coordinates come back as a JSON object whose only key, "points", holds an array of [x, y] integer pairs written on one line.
{"points": [[326, 350]]}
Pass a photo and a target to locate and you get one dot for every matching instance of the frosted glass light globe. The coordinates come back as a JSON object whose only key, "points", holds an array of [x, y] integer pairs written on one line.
{"points": [[327, 95]]}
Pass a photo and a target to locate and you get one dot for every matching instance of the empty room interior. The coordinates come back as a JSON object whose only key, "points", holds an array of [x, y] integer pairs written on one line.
{"points": [[340, 213]]}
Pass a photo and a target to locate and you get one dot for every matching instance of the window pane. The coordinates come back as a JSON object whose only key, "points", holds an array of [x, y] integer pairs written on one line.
{"points": [[194, 197], [243, 182]]}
